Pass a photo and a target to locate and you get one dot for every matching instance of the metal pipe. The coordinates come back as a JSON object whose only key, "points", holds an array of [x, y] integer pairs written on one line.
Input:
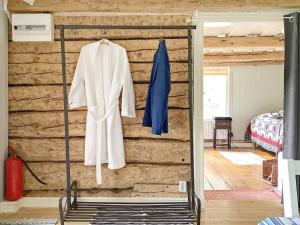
{"points": [[191, 101], [124, 27], [66, 119]]}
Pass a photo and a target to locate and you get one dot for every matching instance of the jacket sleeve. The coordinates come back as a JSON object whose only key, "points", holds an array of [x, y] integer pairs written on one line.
{"points": [[159, 97], [128, 97], [77, 95]]}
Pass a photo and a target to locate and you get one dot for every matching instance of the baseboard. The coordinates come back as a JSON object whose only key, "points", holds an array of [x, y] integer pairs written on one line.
{"points": [[28, 202], [52, 202], [7, 207]]}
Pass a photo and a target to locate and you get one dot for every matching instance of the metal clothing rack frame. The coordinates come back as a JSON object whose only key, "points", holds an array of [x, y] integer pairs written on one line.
{"points": [[128, 212]]}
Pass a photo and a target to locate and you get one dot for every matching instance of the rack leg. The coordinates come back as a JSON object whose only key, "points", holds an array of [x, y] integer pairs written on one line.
{"points": [[189, 194], [75, 191], [66, 120], [61, 211], [198, 211]]}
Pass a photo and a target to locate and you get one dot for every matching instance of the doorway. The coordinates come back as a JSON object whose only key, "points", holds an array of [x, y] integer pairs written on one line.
{"points": [[199, 19]]}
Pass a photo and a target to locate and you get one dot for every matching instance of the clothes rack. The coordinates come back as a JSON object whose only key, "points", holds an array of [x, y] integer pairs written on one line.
{"points": [[134, 212]]}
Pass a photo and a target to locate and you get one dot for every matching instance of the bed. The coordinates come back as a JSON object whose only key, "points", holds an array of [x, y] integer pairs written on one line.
{"points": [[280, 221], [266, 130]]}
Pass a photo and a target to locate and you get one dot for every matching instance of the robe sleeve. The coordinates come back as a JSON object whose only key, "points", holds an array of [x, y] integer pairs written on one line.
{"points": [[128, 97], [77, 95]]}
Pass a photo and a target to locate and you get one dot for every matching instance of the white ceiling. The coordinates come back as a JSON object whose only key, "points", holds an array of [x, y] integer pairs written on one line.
{"points": [[243, 29]]}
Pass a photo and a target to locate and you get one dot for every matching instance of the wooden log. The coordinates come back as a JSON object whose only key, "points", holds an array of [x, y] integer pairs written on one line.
{"points": [[51, 124], [54, 175], [49, 52], [245, 63], [158, 195], [226, 43], [75, 46], [105, 193], [244, 56], [96, 34], [44, 73], [148, 6], [113, 19], [137, 150], [50, 98], [137, 52], [140, 56], [122, 19], [81, 193], [154, 188]]}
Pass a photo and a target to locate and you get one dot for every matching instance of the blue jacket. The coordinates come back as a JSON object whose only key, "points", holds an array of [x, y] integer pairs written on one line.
{"points": [[156, 112]]}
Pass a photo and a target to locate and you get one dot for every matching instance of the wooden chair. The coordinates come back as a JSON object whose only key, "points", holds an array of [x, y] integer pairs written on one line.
{"points": [[290, 168], [222, 123]]}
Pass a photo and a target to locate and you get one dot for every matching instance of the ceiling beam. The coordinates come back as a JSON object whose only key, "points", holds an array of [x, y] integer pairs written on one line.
{"points": [[243, 42], [249, 63], [147, 6], [253, 58]]}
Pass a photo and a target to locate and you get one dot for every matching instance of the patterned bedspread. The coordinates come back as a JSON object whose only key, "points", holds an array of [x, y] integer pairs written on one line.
{"points": [[280, 221], [267, 130]]}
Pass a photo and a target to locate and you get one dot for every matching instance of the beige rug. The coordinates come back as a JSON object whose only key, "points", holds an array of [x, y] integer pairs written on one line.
{"points": [[242, 158]]}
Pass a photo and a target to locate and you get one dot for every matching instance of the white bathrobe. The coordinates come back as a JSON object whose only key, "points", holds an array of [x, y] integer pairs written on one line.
{"points": [[101, 73]]}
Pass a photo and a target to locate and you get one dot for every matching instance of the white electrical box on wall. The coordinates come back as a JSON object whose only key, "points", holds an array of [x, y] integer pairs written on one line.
{"points": [[32, 27]]}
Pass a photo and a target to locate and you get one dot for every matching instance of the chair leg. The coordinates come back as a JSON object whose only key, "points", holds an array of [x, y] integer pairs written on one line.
{"points": [[229, 138], [215, 137]]}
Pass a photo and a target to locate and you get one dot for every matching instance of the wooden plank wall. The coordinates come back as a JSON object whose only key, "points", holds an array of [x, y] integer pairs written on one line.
{"points": [[154, 164]]}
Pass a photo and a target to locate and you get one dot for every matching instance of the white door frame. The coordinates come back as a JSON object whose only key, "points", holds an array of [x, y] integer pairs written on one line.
{"points": [[3, 94], [198, 19]]}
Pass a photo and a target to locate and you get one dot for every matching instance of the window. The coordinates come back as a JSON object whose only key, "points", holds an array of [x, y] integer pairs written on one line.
{"points": [[216, 93]]}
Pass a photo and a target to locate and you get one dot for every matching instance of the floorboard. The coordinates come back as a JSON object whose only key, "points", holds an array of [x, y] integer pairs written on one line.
{"points": [[222, 174]]}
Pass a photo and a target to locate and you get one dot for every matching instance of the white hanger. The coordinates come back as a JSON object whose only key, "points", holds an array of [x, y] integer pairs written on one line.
{"points": [[103, 40]]}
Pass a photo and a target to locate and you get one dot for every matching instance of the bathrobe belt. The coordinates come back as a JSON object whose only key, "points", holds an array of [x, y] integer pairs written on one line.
{"points": [[95, 112]]}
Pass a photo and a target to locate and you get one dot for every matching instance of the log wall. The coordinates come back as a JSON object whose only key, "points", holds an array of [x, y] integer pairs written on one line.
{"points": [[154, 164]]}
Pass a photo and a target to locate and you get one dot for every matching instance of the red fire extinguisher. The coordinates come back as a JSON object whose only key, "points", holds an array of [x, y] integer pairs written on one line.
{"points": [[14, 175]]}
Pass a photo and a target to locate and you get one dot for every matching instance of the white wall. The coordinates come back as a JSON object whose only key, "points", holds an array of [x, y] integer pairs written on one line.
{"points": [[254, 90], [3, 95]]}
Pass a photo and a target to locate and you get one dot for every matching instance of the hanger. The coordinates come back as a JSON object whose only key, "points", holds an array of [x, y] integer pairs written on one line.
{"points": [[103, 34], [161, 37]]}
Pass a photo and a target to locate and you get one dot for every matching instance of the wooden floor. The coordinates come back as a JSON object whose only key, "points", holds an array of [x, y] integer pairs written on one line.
{"points": [[216, 212], [222, 174]]}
